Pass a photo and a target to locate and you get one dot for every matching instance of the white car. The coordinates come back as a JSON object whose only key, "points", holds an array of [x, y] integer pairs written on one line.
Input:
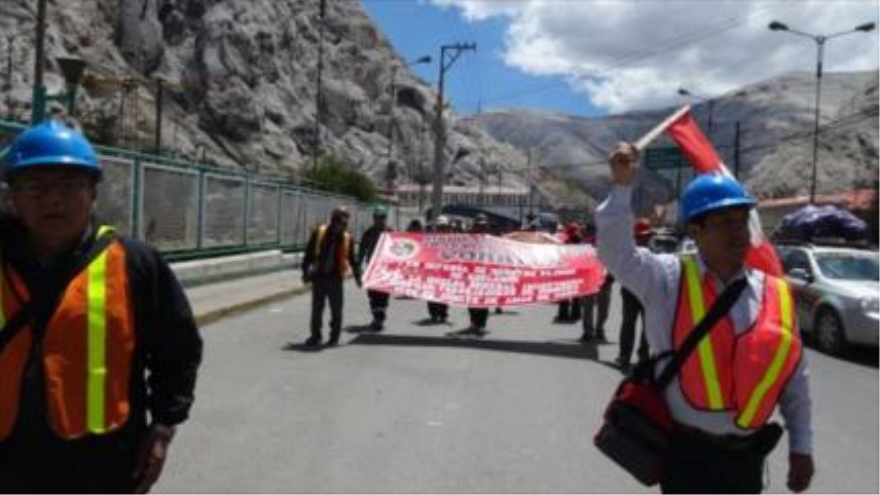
{"points": [[836, 293]]}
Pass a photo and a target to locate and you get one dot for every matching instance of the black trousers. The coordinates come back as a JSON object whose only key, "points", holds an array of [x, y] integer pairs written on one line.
{"points": [[95, 464], [602, 299], [479, 316], [327, 288], [438, 310], [570, 309], [378, 304], [695, 465], [632, 308]]}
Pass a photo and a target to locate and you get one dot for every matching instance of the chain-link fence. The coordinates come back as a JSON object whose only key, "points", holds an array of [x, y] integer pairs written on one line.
{"points": [[189, 210]]}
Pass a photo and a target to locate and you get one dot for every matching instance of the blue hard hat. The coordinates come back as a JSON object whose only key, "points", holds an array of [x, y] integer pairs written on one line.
{"points": [[51, 143], [710, 192]]}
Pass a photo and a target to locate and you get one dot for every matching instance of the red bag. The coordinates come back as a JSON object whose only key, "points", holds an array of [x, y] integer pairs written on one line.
{"points": [[637, 426], [636, 430]]}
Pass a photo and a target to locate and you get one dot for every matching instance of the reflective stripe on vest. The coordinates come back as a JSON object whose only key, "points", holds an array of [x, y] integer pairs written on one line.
{"points": [[775, 345], [706, 383], [341, 254], [86, 351]]}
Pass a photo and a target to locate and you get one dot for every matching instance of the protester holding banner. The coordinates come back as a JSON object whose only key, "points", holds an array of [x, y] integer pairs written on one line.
{"points": [[328, 258], [479, 316], [596, 305], [751, 361], [437, 311], [369, 240], [569, 310]]}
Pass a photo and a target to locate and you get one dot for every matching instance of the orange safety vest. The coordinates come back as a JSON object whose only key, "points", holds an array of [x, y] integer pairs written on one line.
{"points": [[86, 350], [342, 252], [743, 373]]}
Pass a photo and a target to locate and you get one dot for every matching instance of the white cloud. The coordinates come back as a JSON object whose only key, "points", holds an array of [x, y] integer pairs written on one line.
{"points": [[629, 54]]}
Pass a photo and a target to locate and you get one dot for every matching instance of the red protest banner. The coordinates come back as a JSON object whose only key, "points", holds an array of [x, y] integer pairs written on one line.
{"points": [[478, 270]]}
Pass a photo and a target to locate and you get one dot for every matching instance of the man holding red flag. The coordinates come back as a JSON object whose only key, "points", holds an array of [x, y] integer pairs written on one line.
{"points": [[749, 362]]}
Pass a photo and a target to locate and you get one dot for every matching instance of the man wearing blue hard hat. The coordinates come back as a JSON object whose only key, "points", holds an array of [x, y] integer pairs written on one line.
{"points": [[98, 348], [730, 339]]}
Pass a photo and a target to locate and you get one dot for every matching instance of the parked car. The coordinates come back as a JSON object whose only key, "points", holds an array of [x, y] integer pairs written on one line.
{"points": [[836, 293]]}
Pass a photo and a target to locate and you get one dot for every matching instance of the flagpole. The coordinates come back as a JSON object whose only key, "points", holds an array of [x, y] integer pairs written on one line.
{"points": [[651, 135]]}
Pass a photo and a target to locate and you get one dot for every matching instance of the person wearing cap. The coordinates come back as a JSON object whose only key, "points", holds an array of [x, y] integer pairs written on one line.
{"points": [[328, 259], [749, 363], [437, 311], [632, 308], [99, 351], [369, 241]]}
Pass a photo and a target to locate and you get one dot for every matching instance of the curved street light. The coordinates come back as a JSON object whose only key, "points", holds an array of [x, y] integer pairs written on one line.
{"points": [[390, 171], [820, 48]]}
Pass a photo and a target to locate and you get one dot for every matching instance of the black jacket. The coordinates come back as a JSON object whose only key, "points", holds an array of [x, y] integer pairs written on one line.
{"points": [[168, 347], [368, 243]]}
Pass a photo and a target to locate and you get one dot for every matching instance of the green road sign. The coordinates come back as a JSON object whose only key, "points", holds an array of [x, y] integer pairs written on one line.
{"points": [[665, 158]]}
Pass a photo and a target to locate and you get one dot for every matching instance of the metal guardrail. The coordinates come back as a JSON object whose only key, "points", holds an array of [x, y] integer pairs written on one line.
{"points": [[192, 210]]}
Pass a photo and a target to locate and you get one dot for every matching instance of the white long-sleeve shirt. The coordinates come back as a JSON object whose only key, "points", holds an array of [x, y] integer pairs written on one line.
{"points": [[655, 279]]}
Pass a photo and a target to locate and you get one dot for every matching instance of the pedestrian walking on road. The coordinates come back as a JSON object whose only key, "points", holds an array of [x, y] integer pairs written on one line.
{"points": [[99, 350], [749, 362], [632, 309], [369, 240], [328, 259]]}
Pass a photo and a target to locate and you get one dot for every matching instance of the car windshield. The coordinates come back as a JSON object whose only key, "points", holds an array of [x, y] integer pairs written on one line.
{"points": [[849, 266]]}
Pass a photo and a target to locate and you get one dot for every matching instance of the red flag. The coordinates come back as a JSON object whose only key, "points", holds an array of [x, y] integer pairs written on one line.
{"points": [[688, 136]]}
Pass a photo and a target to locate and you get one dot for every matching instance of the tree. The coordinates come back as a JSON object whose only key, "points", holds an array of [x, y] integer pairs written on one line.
{"points": [[334, 174]]}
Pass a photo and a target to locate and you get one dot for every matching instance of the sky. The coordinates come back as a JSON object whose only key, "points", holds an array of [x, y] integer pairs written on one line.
{"points": [[599, 57]]}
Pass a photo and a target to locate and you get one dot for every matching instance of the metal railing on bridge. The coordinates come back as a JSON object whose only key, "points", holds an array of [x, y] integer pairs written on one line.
{"points": [[192, 210]]}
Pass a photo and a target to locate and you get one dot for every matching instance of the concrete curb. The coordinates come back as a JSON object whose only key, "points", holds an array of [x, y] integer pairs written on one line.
{"points": [[212, 315]]}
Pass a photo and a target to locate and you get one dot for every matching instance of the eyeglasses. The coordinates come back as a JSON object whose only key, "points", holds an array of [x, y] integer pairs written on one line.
{"points": [[37, 188]]}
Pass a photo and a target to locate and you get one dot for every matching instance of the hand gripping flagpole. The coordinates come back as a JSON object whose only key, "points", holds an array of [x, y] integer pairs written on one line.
{"points": [[651, 135]]}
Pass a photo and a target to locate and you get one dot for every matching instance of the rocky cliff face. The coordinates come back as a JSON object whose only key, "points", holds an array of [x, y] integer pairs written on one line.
{"points": [[240, 84], [775, 144]]}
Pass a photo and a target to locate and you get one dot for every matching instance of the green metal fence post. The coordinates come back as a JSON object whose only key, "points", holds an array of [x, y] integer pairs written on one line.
{"points": [[200, 213]]}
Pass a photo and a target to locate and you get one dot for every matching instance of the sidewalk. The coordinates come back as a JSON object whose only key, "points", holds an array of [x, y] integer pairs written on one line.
{"points": [[211, 302]]}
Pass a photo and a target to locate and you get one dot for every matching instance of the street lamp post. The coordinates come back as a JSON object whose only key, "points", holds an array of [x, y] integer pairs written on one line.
{"points": [[38, 101], [820, 48], [390, 173], [319, 94], [439, 128]]}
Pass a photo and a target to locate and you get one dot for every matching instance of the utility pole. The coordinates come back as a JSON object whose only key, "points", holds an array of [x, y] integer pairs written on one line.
{"points": [[439, 127], [529, 180], [38, 103], [736, 152], [319, 94], [160, 90], [10, 42], [482, 179]]}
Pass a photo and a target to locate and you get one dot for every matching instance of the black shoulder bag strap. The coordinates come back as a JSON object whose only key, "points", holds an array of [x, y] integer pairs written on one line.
{"points": [[45, 305], [719, 308]]}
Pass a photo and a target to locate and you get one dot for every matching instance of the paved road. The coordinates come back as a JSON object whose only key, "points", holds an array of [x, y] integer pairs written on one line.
{"points": [[410, 410]]}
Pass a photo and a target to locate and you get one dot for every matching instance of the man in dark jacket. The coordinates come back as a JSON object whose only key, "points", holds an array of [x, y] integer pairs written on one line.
{"points": [[328, 258], [369, 240], [99, 350]]}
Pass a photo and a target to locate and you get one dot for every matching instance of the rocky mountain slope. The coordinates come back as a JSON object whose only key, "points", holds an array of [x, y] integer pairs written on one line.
{"points": [[775, 147], [240, 84]]}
